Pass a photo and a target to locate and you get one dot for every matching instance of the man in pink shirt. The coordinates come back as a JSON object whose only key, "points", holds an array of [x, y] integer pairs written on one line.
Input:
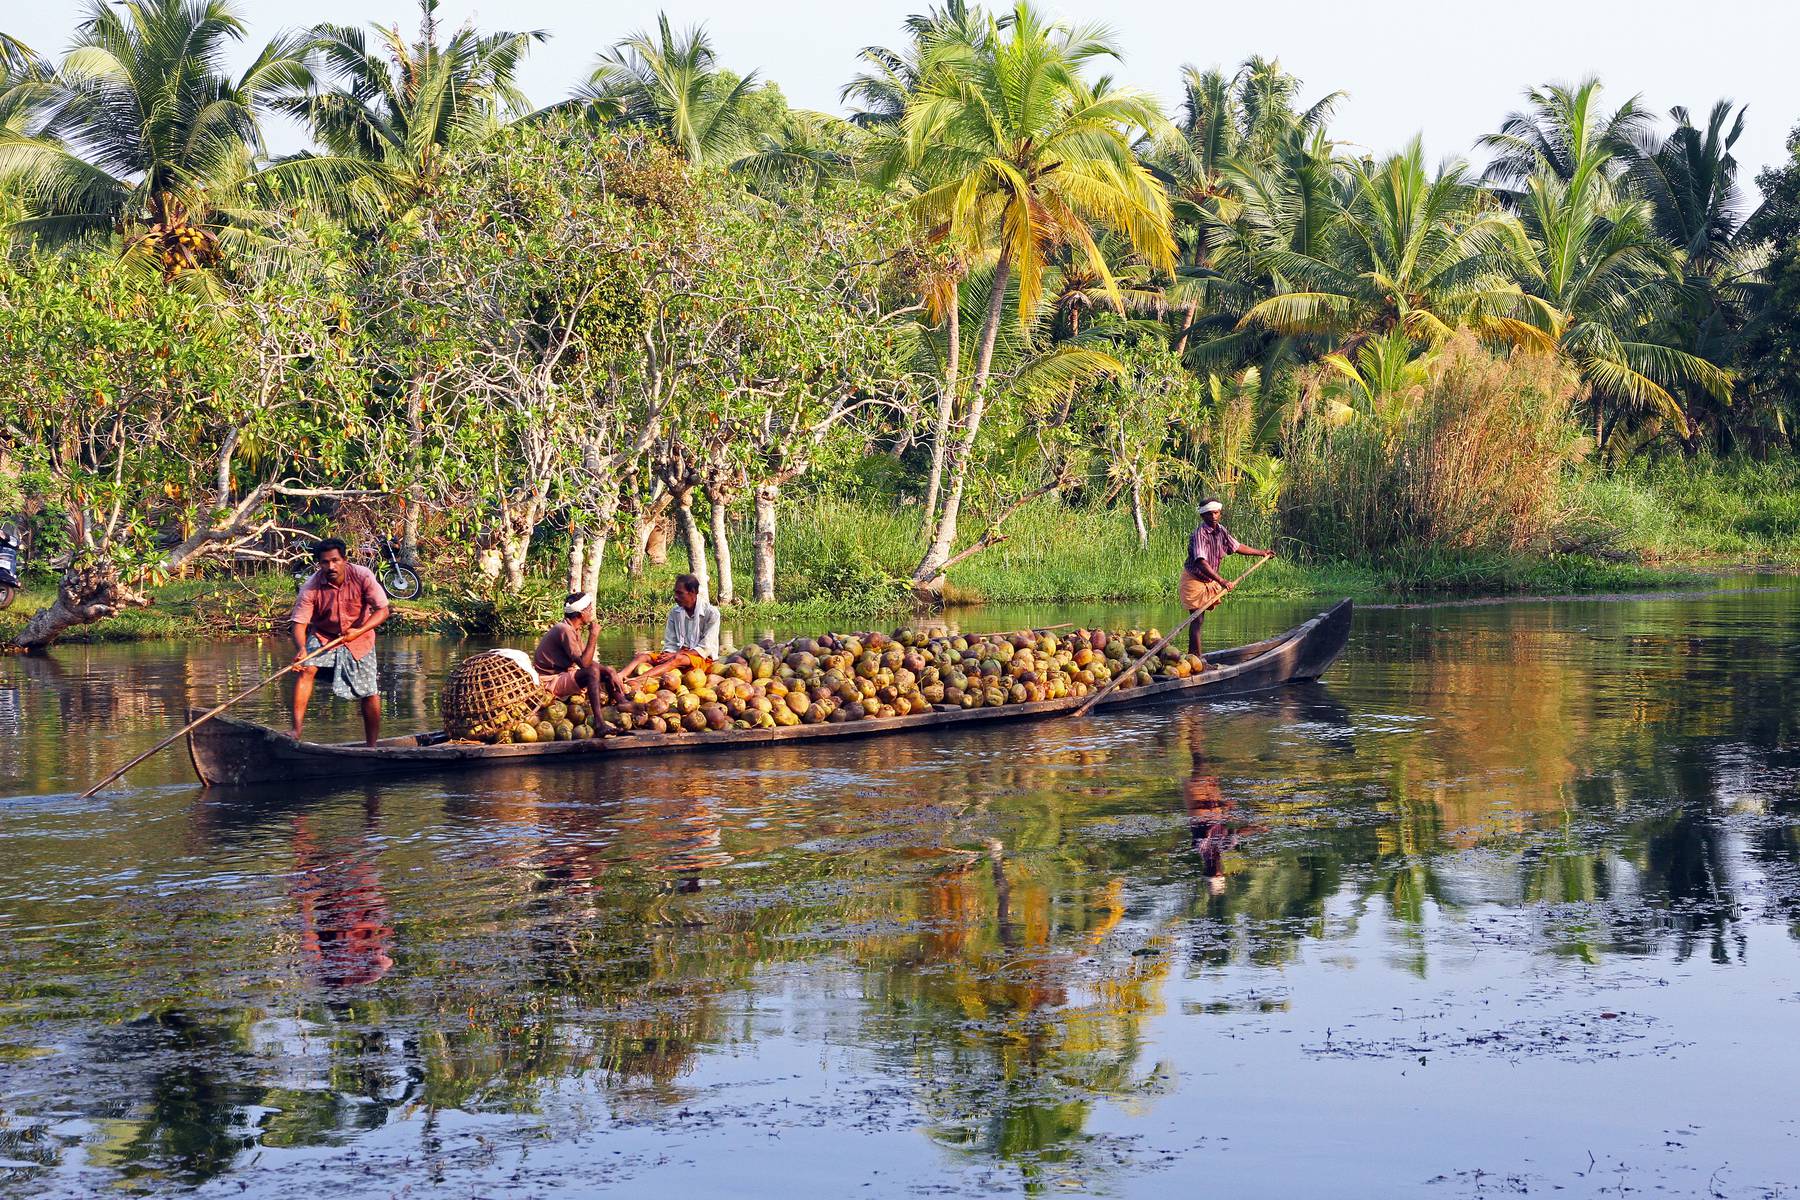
{"points": [[341, 598]]}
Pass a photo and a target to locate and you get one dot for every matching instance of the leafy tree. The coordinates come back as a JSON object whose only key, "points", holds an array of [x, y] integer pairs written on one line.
{"points": [[1771, 345], [164, 428]]}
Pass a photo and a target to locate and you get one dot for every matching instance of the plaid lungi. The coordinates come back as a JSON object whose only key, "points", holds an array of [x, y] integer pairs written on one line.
{"points": [[351, 678]]}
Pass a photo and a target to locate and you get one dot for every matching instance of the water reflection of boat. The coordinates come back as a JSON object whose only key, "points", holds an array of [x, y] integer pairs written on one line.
{"points": [[227, 751]]}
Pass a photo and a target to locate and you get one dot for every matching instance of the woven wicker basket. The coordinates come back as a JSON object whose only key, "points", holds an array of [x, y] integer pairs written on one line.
{"points": [[489, 693]]}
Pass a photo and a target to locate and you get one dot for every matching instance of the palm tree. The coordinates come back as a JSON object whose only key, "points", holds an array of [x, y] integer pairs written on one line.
{"points": [[1593, 253], [890, 77], [806, 150], [15, 57], [1690, 183], [407, 105], [142, 133], [1411, 250], [1017, 157], [673, 83], [1249, 169], [1565, 134], [1265, 98]]}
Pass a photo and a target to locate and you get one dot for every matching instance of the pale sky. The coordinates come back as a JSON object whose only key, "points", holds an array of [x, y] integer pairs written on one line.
{"points": [[1451, 71]]}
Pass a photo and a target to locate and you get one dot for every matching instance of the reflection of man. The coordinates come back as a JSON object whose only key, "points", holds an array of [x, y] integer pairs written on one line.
{"points": [[1201, 584], [344, 926], [1210, 815]]}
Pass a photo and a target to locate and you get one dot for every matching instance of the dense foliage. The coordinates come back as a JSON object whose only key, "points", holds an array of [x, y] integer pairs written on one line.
{"points": [[668, 296]]}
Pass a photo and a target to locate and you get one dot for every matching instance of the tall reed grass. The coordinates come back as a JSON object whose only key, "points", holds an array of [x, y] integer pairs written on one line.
{"points": [[1475, 461]]}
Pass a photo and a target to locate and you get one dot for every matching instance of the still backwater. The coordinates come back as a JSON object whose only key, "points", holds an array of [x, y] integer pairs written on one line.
{"points": [[1510, 902]]}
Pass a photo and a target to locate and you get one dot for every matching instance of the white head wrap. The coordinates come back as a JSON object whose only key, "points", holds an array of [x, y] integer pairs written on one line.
{"points": [[1211, 506], [579, 604]]}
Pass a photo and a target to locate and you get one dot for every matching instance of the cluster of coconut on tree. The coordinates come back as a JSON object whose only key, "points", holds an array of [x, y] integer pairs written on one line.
{"points": [[859, 677]]}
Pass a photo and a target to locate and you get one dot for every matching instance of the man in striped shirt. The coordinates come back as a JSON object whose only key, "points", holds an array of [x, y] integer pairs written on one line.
{"points": [[1202, 586]]}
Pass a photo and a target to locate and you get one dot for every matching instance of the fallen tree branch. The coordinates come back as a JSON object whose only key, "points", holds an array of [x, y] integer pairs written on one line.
{"points": [[85, 595], [990, 536]]}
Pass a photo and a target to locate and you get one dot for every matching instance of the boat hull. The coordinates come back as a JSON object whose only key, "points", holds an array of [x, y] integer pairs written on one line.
{"points": [[228, 753]]}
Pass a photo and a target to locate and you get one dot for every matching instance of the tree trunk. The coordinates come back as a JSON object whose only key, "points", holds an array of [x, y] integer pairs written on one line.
{"points": [[596, 553], [690, 533], [578, 558], [518, 520], [415, 438], [768, 497], [1137, 512], [946, 410], [656, 538], [85, 595], [719, 509], [1187, 322], [928, 578], [647, 524], [513, 550]]}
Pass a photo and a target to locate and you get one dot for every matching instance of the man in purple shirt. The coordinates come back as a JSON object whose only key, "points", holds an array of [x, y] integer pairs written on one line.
{"points": [[1202, 586]]}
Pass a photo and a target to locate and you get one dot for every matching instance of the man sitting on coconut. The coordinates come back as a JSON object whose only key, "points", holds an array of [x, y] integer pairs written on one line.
{"points": [[564, 659], [690, 635]]}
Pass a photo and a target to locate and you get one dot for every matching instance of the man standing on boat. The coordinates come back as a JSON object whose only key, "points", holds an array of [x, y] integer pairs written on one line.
{"points": [[1202, 586], [564, 658], [690, 635], [342, 599]]}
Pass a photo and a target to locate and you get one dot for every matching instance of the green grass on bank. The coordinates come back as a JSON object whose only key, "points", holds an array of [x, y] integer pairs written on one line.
{"points": [[837, 562], [1741, 511]]}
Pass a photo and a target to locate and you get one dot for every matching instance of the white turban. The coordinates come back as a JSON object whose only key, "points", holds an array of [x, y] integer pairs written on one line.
{"points": [[579, 604], [1211, 506]]}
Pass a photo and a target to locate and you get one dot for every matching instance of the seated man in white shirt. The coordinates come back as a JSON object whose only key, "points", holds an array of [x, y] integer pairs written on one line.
{"points": [[690, 635]]}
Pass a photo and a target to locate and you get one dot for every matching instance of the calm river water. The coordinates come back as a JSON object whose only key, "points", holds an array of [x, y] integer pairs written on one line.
{"points": [[1511, 902]]}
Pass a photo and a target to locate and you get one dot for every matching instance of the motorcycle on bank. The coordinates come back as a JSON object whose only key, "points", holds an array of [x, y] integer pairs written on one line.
{"points": [[397, 579], [10, 550]]}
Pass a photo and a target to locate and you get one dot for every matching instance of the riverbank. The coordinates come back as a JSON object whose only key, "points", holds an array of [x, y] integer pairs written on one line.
{"points": [[231, 607], [842, 561]]}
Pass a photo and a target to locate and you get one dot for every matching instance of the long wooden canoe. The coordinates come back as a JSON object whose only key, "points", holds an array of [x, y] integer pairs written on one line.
{"points": [[230, 752]]}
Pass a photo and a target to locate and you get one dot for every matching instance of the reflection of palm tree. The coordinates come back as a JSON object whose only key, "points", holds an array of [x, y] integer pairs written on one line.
{"points": [[191, 1122]]}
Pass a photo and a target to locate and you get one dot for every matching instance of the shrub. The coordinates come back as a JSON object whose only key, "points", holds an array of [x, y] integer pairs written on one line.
{"points": [[1474, 463]]}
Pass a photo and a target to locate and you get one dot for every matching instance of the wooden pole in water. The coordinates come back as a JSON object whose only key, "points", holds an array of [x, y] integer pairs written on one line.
{"points": [[1152, 652], [199, 721]]}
